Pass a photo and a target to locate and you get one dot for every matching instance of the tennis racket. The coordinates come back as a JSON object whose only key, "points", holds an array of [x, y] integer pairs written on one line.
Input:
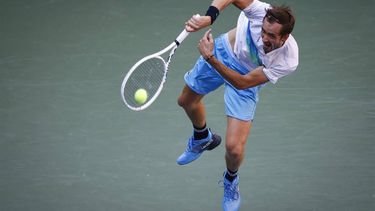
{"points": [[150, 74]]}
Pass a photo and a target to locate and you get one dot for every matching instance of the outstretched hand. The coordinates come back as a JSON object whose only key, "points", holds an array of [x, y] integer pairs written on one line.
{"points": [[206, 45]]}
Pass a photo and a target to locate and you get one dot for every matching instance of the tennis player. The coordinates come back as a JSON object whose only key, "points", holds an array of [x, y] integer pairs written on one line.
{"points": [[260, 49]]}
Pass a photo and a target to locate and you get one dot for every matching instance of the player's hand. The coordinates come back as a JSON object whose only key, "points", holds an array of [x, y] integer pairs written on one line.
{"points": [[206, 45], [197, 22]]}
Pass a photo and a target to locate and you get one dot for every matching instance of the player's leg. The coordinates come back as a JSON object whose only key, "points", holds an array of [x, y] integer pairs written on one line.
{"points": [[194, 108], [240, 108], [202, 138], [201, 80], [236, 138]]}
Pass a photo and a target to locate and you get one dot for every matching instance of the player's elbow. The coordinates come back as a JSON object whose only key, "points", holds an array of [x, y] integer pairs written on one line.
{"points": [[248, 81], [240, 85], [244, 84]]}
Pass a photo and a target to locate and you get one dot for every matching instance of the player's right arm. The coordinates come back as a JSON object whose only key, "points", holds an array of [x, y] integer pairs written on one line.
{"points": [[196, 23]]}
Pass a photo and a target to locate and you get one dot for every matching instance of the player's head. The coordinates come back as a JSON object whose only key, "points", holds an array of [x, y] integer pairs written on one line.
{"points": [[278, 23]]}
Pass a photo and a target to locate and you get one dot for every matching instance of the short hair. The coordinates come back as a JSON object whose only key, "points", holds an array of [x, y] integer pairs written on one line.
{"points": [[282, 15]]}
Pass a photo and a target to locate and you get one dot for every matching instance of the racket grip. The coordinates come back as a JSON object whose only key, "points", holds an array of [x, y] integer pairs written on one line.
{"points": [[183, 34], [181, 37]]}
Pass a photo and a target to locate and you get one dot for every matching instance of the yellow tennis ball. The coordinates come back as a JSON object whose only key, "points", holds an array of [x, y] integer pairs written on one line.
{"points": [[140, 96]]}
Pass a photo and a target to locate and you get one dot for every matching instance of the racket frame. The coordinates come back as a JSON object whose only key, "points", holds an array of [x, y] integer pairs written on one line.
{"points": [[172, 48]]}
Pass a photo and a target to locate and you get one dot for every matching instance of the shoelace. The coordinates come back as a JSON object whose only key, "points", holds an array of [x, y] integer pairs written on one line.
{"points": [[189, 147], [230, 191]]}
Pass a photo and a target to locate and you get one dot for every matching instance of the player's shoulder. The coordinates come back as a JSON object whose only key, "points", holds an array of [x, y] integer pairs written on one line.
{"points": [[291, 47], [292, 42], [288, 55], [256, 9], [282, 61], [285, 57]]}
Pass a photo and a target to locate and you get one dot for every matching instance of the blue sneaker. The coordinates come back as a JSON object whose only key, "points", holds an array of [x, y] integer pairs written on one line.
{"points": [[231, 199], [195, 148]]}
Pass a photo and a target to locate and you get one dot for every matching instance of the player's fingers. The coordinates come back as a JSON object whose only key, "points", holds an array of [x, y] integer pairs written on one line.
{"points": [[189, 29], [202, 43], [211, 38], [193, 25], [207, 34]]}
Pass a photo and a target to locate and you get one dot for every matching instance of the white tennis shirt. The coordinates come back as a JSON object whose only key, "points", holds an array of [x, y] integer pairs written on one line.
{"points": [[248, 47]]}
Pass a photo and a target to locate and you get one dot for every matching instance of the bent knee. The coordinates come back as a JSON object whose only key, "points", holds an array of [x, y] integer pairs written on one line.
{"points": [[234, 149], [183, 101], [188, 98]]}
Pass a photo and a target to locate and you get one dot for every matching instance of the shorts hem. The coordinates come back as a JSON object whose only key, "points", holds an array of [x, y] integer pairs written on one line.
{"points": [[241, 119]]}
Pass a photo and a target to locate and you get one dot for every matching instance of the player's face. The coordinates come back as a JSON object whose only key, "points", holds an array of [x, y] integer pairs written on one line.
{"points": [[271, 36]]}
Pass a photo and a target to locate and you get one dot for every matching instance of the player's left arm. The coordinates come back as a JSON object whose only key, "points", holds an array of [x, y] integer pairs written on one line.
{"points": [[253, 78]]}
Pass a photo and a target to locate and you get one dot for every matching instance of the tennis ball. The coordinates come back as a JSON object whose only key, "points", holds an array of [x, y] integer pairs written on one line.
{"points": [[140, 96]]}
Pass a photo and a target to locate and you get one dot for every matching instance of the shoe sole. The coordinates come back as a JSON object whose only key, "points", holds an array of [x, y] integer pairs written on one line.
{"points": [[216, 140]]}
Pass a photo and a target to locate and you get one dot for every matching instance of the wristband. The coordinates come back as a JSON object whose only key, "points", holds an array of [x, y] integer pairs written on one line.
{"points": [[213, 12]]}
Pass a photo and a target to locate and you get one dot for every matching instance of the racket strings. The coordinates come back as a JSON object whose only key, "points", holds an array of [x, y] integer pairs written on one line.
{"points": [[148, 75], [171, 55]]}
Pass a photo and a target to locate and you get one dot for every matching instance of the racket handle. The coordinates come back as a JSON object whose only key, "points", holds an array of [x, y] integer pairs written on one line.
{"points": [[183, 34], [181, 37]]}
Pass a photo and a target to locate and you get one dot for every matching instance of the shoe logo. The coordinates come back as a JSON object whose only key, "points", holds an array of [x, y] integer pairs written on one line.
{"points": [[206, 145]]}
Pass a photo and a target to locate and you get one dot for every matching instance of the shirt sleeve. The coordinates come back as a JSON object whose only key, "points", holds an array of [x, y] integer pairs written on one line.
{"points": [[275, 73], [256, 10]]}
